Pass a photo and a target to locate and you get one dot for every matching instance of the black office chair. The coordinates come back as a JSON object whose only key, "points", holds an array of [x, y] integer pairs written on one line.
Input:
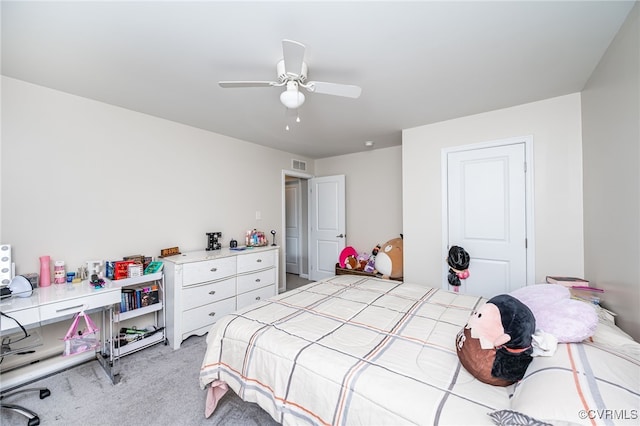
{"points": [[32, 416], [14, 345]]}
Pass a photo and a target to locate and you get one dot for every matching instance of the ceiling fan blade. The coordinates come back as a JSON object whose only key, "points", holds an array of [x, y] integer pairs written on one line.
{"points": [[247, 83], [346, 90], [293, 52]]}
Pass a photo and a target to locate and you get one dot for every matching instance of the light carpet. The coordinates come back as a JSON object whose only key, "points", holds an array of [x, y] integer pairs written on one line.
{"points": [[158, 386]]}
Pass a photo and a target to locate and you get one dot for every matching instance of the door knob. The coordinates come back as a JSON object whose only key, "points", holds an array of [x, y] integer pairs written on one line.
{"points": [[340, 236]]}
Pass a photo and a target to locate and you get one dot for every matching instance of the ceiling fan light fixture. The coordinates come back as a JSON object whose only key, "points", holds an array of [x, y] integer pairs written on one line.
{"points": [[292, 98], [292, 72]]}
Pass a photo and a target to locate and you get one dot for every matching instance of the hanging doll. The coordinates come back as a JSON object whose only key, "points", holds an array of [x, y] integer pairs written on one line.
{"points": [[458, 261]]}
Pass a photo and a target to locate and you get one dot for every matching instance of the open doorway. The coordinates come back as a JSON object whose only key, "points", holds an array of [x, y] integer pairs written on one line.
{"points": [[313, 226], [295, 230]]}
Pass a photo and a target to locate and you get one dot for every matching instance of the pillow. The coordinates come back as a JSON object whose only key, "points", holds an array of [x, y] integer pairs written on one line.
{"points": [[567, 319], [513, 418], [581, 383]]}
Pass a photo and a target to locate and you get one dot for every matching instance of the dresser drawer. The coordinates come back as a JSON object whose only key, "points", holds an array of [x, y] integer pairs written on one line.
{"points": [[256, 280], [254, 296], [71, 306], [256, 261], [209, 270], [205, 294], [203, 316]]}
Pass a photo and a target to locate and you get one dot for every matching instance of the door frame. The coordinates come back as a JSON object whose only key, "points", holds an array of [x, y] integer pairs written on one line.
{"points": [[302, 232], [283, 225], [529, 210]]}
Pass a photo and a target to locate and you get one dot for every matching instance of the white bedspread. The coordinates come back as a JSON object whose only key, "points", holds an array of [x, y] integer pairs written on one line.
{"points": [[360, 351]]}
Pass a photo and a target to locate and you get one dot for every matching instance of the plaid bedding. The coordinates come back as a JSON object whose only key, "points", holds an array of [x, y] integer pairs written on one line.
{"points": [[352, 350]]}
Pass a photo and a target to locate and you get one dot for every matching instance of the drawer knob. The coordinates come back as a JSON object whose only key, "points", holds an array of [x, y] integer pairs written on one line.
{"points": [[258, 298], [257, 280], [212, 314], [212, 292], [259, 260], [214, 269]]}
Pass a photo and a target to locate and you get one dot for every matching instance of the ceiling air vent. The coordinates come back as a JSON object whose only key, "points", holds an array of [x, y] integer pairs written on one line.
{"points": [[299, 165]]}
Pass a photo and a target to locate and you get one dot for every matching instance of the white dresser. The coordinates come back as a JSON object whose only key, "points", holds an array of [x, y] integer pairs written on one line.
{"points": [[203, 286]]}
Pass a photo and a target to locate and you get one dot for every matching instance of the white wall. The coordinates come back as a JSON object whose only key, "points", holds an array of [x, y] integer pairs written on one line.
{"points": [[555, 125], [83, 180], [374, 194], [611, 128]]}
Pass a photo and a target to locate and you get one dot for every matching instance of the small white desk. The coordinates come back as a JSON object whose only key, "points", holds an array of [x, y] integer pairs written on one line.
{"points": [[49, 305]]}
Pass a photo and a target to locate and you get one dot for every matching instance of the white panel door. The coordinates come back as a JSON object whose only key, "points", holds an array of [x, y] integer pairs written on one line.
{"points": [[486, 203], [327, 225], [293, 219]]}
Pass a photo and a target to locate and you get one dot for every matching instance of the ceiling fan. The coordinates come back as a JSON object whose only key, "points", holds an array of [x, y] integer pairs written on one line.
{"points": [[292, 73]]}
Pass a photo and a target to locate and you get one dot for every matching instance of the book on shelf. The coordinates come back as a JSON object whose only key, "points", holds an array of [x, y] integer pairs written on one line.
{"points": [[153, 267], [567, 281], [149, 296], [126, 297], [135, 298], [121, 269]]}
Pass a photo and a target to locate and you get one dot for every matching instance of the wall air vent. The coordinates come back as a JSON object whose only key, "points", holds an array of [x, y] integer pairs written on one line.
{"points": [[299, 165]]}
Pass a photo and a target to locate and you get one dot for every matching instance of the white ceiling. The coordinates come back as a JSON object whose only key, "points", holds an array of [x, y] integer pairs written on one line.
{"points": [[417, 62]]}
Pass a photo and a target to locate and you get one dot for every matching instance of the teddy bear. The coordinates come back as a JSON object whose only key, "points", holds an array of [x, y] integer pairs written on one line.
{"points": [[351, 263], [389, 260], [496, 344], [356, 263]]}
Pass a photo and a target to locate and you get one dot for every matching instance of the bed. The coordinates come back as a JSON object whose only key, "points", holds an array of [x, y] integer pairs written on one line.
{"points": [[363, 351]]}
